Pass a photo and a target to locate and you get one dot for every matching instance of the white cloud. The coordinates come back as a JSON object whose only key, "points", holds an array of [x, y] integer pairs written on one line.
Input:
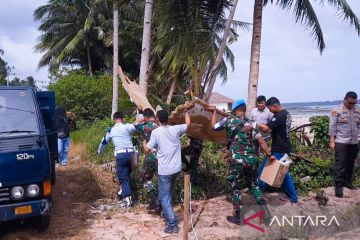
{"points": [[291, 67]]}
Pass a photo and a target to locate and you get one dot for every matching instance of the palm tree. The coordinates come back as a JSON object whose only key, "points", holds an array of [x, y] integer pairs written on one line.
{"points": [[71, 34], [187, 38], [115, 61], [215, 67], [145, 50], [305, 14]]}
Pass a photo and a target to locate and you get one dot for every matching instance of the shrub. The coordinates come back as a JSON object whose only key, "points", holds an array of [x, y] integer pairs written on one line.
{"points": [[90, 98], [319, 127]]}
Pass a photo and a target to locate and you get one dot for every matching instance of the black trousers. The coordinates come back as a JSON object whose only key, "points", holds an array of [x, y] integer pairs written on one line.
{"points": [[345, 155]]}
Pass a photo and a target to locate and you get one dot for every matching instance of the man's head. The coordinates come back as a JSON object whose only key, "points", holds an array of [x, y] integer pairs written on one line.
{"points": [[118, 117], [261, 102], [239, 107], [273, 104], [162, 117], [350, 100], [148, 114]]}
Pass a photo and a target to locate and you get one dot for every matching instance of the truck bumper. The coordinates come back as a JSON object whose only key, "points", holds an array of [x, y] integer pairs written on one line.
{"points": [[24, 210]]}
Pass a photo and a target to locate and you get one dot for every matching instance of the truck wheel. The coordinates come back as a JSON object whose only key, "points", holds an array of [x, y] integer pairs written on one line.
{"points": [[42, 223]]}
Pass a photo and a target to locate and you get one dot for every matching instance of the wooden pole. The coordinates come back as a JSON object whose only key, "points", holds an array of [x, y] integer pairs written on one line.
{"points": [[186, 206]]}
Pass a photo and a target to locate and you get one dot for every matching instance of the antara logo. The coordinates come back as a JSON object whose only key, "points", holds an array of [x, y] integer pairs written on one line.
{"points": [[305, 221]]}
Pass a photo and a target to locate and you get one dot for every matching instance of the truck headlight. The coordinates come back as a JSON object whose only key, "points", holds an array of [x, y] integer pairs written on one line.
{"points": [[17, 192], [32, 190]]}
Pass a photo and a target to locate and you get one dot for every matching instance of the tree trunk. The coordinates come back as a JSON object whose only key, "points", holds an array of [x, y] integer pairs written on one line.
{"points": [[212, 76], [89, 61], [115, 62], [145, 53], [171, 91], [255, 56]]}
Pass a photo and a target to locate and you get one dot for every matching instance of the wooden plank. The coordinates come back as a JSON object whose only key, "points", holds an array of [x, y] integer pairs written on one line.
{"points": [[186, 206]]}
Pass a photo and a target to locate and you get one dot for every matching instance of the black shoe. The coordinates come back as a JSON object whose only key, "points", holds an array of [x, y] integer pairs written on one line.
{"points": [[154, 205], [236, 218], [349, 185], [171, 230], [339, 191]]}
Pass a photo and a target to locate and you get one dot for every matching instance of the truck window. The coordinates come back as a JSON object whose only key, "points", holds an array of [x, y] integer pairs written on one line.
{"points": [[17, 113]]}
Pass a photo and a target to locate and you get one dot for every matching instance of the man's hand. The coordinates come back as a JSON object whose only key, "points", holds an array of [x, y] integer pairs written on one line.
{"points": [[332, 145], [189, 105], [210, 108], [272, 158]]}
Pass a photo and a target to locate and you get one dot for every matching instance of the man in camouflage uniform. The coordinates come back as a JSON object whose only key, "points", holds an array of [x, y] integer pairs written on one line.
{"points": [[193, 150], [150, 163], [243, 164], [344, 129]]}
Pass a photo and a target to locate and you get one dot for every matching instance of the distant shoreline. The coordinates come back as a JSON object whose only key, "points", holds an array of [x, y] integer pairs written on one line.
{"points": [[312, 104]]}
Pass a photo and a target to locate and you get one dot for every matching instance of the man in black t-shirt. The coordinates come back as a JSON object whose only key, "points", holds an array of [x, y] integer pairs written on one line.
{"points": [[279, 126]]}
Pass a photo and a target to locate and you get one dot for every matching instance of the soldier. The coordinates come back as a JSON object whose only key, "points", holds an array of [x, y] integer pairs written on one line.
{"points": [[150, 163], [121, 135], [193, 150], [243, 163], [344, 131]]}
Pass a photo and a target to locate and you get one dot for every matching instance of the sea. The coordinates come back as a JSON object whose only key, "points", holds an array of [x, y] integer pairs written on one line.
{"points": [[302, 113]]}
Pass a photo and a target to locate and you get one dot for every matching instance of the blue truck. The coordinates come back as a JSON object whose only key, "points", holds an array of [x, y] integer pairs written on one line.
{"points": [[28, 153]]}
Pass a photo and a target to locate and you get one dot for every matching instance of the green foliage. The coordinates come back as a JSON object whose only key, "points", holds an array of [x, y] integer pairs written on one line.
{"points": [[91, 136], [319, 127], [89, 97]]}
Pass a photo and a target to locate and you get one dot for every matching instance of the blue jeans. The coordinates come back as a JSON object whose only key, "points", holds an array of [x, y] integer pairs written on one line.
{"points": [[123, 169], [166, 184], [287, 186], [63, 149]]}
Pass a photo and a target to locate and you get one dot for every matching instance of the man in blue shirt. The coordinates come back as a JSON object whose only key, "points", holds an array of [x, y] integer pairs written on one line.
{"points": [[121, 134]]}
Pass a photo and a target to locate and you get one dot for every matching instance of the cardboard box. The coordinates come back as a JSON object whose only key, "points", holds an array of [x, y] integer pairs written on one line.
{"points": [[274, 171]]}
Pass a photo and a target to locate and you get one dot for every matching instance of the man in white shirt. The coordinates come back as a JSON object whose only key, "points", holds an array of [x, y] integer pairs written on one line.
{"points": [[261, 114], [166, 140], [121, 134]]}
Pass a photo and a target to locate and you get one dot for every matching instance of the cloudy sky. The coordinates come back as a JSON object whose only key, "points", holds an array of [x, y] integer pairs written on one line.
{"points": [[291, 67]]}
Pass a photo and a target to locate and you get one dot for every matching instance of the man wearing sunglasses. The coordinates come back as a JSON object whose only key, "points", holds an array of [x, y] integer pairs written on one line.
{"points": [[344, 132]]}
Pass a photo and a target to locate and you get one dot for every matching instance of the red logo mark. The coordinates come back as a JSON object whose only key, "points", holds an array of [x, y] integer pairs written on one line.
{"points": [[256, 215]]}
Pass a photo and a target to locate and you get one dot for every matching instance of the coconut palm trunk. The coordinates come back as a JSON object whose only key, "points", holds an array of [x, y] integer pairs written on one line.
{"points": [[145, 49], [219, 57], [171, 91], [255, 56], [115, 61], [89, 61]]}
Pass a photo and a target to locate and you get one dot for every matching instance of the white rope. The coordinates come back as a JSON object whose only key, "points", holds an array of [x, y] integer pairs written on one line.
{"points": [[191, 219]]}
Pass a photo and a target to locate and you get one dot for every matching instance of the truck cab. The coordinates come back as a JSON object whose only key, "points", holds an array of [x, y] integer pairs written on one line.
{"points": [[28, 152]]}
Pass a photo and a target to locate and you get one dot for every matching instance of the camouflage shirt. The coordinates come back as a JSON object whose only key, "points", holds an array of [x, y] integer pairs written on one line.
{"points": [[145, 129], [240, 133]]}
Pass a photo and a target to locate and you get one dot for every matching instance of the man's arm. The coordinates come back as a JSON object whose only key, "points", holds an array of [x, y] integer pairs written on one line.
{"points": [[332, 129], [151, 144], [263, 127], [104, 141], [187, 119], [145, 147]]}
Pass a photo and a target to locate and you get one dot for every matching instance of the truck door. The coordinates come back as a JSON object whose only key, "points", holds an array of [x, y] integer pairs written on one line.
{"points": [[47, 105]]}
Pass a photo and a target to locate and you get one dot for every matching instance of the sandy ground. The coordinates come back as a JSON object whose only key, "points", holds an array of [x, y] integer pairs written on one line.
{"points": [[84, 209]]}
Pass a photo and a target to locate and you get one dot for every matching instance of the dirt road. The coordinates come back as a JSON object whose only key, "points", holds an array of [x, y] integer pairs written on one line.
{"points": [[84, 208]]}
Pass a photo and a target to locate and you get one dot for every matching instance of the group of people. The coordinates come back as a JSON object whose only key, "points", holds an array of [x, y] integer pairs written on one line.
{"points": [[162, 148]]}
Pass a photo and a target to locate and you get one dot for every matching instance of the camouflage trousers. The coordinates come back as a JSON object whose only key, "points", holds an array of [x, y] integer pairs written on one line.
{"points": [[243, 173], [148, 172]]}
